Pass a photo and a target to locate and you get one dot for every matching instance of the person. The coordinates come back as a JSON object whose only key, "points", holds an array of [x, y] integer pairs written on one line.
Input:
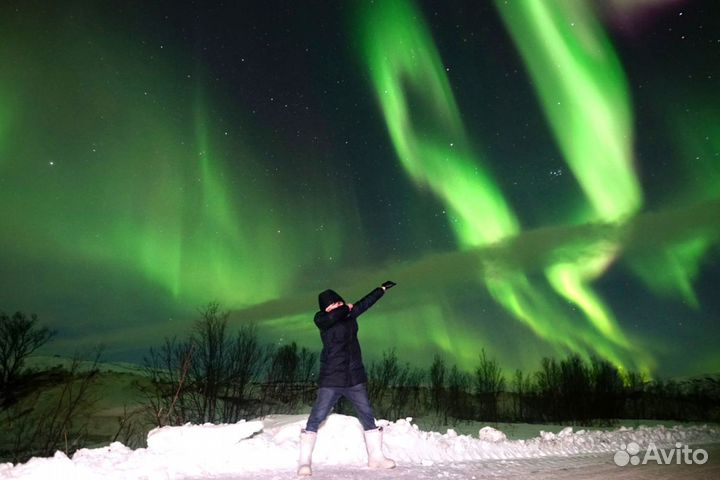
{"points": [[342, 374]]}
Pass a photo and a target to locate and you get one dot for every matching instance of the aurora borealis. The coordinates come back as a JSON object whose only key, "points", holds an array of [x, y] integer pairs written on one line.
{"points": [[539, 177]]}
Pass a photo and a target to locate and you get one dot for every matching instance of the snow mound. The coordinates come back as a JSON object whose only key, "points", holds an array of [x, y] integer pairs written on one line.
{"points": [[489, 434], [188, 437], [271, 444]]}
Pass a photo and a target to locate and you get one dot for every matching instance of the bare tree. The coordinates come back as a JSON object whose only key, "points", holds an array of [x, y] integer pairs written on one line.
{"points": [[282, 378], [53, 417], [129, 430], [458, 404], [383, 375], [168, 397], [20, 336], [522, 386], [636, 384], [245, 363], [607, 389], [489, 383], [307, 373], [575, 389], [208, 376], [437, 383], [405, 397], [398, 397], [209, 368], [548, 380]]}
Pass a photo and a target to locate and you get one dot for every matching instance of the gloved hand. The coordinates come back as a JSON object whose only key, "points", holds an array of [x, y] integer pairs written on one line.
{"points": [[388, 284]]}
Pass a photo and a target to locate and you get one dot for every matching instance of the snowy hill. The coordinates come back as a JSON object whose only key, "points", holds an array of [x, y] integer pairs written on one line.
{"points": [[268, 448]]}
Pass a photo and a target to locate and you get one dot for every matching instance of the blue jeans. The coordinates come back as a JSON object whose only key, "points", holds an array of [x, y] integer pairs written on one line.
{"points": [[327, 397]]}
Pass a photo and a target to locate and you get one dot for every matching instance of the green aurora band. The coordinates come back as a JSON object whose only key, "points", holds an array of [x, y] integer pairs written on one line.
{"points": [[133, 188], [583, 92], [671, 269], [401, 58], [402, 61], [136, 196], [4, 121], [130, 185]]}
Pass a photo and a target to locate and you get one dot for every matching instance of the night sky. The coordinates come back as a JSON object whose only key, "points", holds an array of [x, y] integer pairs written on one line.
{"points": [[539, 177]]}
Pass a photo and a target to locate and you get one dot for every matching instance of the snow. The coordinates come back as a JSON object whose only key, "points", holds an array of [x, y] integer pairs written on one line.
{"points": [[268, 448], [490, 434]]}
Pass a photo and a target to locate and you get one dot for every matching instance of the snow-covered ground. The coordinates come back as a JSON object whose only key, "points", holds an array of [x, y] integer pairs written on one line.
{"points": [[268, 449]]}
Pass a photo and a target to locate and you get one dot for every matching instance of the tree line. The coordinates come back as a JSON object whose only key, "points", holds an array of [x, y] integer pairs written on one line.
{"points": [[215, 376], [221, 375]]}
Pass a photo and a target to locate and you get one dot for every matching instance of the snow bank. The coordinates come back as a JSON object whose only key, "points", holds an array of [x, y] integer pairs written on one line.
{"points": [[195, 451], [210, 436], [406, 443]]}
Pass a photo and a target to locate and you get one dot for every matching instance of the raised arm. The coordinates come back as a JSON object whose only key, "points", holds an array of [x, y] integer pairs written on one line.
{"points": [[325, 320], [367, 301]]}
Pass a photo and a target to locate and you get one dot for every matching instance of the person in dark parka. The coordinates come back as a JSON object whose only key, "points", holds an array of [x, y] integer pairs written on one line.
{"points": [[342, 374]]}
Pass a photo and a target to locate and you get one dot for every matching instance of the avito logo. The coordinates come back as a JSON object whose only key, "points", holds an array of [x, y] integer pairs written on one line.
{"points": [[680, 455]]}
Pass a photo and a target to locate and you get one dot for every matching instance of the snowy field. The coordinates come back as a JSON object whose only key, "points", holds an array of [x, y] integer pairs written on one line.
{"points": [[268, 449]]}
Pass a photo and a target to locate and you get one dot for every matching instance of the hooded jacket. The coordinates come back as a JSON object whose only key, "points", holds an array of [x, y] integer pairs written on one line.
{"points": [[341, 362]]}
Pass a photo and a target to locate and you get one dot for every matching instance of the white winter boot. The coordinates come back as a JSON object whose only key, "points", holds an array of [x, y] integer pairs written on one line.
{"points": [[373, 442], [307, 443]]}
